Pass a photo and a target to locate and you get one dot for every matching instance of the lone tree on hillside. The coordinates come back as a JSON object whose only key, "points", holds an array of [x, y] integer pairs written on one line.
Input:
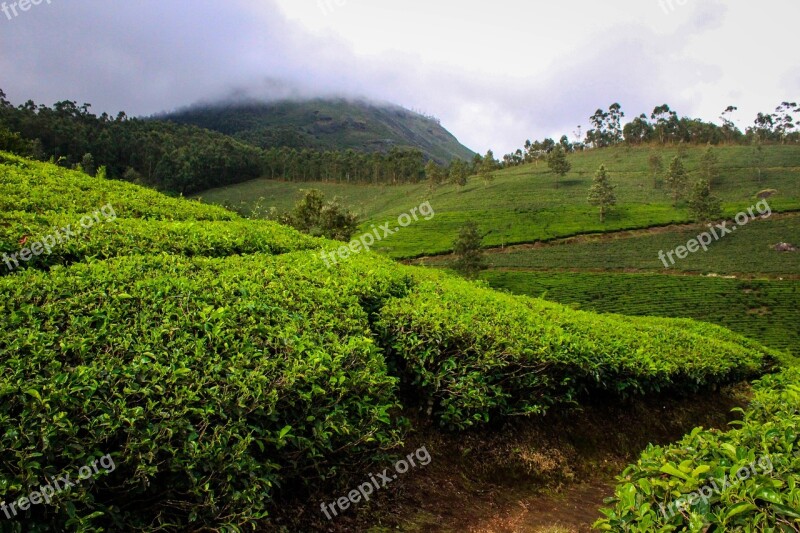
{"points": [[676, 179], [314, 216], [709, 166], [487, 167], [469, 255], [434, 174], [557, 161], [601, 193], [459, 172], [703, 205], [656, 163]]}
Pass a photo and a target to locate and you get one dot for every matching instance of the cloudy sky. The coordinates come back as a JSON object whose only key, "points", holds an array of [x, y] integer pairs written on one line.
{"points": [[495, 73]]}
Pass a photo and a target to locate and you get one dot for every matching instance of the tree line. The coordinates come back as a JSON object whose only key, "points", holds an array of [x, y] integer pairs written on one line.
{"points": [[663, 126], [182, 159], [186, 159]]}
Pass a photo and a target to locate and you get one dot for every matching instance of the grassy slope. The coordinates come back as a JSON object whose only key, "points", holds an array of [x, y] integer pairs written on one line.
{"points": [[524, 205], [750, 251], [134, 321]]}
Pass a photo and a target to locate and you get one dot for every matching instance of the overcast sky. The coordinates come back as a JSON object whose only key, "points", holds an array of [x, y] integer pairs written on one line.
{"points": [[496, 73]]}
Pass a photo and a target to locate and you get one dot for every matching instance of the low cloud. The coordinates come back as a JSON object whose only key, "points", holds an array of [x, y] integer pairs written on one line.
{"points": [[152, 56]]}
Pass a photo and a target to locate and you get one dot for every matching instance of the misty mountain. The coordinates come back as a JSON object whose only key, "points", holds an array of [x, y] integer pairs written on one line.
{"points": [[326, 124]]}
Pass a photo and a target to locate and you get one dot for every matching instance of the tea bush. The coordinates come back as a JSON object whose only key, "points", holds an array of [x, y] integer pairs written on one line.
{"points": [[107, 239], [471, 352], [761, 460], [219, 360], [211, 382], [34, 187]]}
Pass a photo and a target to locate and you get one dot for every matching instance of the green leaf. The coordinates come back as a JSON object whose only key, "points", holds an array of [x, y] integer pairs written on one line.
{"points": [[671, 470]]}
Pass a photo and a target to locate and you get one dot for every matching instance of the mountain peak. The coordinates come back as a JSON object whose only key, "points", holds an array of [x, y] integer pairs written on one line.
{"points": [[334, 123]]}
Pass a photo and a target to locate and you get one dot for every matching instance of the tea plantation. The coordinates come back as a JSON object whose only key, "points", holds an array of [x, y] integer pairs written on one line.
{"points": [[220, 362], [524, 204]]}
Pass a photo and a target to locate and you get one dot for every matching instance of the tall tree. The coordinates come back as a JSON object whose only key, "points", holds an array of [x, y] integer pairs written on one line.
{"points": [[656, 164], [459, 172], [729, 129], [784, 119], [558, 163], [601, 193], [488, 166], [666, 123], [703, 205], [709, 166], [469, 255], [676, 179], [434, 174]]}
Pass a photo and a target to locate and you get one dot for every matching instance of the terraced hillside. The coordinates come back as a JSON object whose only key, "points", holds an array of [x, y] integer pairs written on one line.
{"points": [[220, 367], [524, 204]]}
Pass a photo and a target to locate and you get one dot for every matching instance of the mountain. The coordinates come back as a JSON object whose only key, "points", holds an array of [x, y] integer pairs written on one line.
{"points": [[326, 124]]}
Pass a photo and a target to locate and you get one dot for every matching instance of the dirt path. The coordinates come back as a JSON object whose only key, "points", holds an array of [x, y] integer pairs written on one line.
{"points": [[574, 510]]}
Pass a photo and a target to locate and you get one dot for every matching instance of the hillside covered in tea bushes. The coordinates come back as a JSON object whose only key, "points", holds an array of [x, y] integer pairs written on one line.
{"points": [[221, 363]]}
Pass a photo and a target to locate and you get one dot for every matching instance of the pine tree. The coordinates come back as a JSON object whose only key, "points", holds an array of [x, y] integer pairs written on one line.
{"points": [[601, 193], [469, 255], [676, 179], [487, 168], [557, 161], [703, 205], [656, 164]]}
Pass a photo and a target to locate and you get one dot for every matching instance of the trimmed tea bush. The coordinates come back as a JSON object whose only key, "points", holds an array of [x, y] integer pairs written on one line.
{"points": [[747, 479], [34, 187], [210, 382], [471, 352], [107, 239]]}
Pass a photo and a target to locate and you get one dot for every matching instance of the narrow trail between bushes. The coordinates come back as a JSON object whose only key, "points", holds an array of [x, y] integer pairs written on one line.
{"points": [[545, 474], [574, 509]]}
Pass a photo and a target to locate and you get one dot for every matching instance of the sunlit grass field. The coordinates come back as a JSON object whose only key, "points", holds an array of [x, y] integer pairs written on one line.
{"points": [[525, 204]]}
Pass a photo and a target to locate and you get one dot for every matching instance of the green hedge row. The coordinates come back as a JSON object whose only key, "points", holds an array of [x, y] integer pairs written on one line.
{"points": [[211, 382], [120, 237], [746, 479], [471, 353], [34, 187]]}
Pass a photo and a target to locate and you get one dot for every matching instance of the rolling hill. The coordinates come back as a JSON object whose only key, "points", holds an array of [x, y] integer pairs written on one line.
{"points": [[326, 124], [219, 364], [524, 204]]}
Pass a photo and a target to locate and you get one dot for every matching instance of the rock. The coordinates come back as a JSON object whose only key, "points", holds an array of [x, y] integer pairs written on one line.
{"points": [[766, 193], [785, 247]]}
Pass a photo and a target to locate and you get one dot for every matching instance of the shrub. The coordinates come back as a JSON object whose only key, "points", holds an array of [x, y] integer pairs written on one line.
{"points": [[471, 353], [211, 383], [761, 460]]}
